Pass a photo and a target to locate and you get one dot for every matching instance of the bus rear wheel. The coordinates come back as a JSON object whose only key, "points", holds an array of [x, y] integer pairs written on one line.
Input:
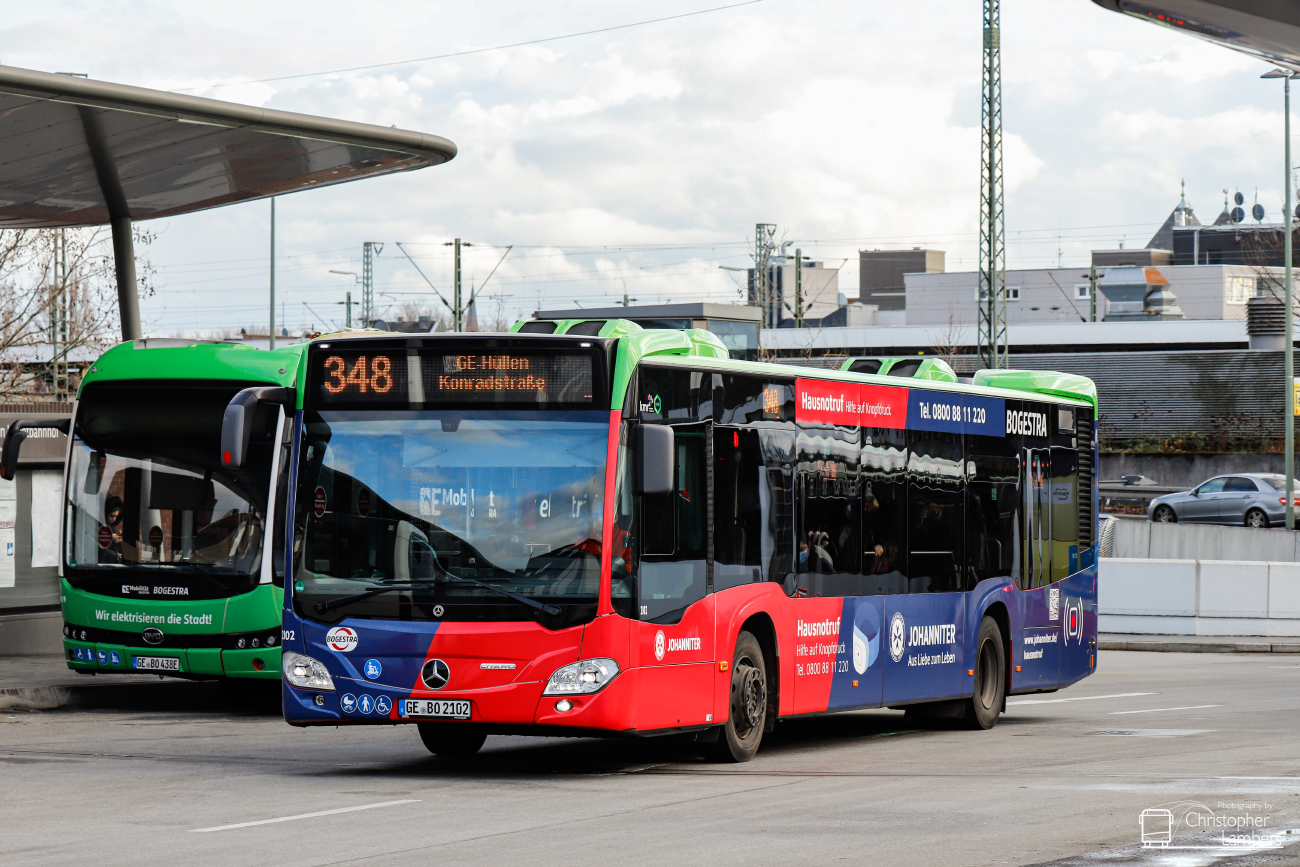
{"points": [[452, 740], [739, 738], [985, 705]]}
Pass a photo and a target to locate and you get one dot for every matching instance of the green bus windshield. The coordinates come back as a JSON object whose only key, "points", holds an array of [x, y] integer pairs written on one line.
{"points": [[151, 512]]}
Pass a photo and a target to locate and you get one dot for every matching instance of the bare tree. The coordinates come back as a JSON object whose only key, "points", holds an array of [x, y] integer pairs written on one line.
{"points": [[58, 306], [948, 343]]}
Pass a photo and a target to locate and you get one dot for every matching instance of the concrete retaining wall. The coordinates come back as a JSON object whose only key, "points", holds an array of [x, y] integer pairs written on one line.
{"points": [[1186, 470], [1143, 539], [1198, 597]]}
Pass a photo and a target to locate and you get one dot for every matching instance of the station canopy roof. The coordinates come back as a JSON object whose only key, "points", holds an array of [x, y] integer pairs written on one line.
{"points": [[1267, 29], [77, 152]]}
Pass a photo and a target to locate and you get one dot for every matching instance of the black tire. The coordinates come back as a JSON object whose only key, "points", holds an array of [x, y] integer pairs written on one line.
{"points": [[739, 737], [452, 740], [1164, 515], [1257, 519], [985, 705]]}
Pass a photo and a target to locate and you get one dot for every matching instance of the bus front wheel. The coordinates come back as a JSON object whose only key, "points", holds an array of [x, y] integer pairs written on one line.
{"points": [[739, 738], [990, 677], [452, 740]]}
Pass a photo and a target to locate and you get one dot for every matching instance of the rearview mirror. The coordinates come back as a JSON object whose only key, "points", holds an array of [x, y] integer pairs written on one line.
{"points": [[13, 442], [237, 421], [656, 467]]}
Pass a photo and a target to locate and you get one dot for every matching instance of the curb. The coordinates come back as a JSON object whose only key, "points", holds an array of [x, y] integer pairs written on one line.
{"points": [[34, 698], [1193, 646]]}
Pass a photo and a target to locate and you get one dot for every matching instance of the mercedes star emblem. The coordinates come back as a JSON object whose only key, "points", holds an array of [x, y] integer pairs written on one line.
{"points": [[435, 674]]}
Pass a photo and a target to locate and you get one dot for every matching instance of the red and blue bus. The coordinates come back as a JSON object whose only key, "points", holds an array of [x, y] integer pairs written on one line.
{"points": [[586, 528]]}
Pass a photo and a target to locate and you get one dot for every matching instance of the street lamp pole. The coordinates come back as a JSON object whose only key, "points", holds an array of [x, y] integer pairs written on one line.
{"points": [[1288, 348]]}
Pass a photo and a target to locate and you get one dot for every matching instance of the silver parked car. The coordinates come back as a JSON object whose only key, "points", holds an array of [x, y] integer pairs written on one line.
{"points": [[1253, 499]]}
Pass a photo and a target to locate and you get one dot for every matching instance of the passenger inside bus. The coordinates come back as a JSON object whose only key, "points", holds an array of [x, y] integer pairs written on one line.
{"points": [[112, 553]]}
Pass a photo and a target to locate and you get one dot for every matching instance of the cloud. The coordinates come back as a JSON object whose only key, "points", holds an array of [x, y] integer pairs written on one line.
{"points": [[643, 157]]}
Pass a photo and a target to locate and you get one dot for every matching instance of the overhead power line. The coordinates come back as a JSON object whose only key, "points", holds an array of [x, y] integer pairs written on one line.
{"points": [[478, 50]]}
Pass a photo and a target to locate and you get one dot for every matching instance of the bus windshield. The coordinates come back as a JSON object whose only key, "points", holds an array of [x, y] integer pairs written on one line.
{"points": [[150, 512], [429, 499]]}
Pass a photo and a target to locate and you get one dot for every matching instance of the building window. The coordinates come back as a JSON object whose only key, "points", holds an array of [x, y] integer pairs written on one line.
{"points": [[1013, 293], [1238, 290], [1082, 290]]}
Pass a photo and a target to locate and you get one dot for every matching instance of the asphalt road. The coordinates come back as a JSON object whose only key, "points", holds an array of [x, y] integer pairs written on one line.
{"points": [[170, 773]]}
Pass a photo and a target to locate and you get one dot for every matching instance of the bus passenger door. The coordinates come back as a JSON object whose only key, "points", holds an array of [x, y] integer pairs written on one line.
{"points": [[1041, 634], [673, 640]]}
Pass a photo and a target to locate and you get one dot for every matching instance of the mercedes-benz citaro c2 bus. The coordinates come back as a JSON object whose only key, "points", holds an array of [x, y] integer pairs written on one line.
{"points": [[166, 566], [589, 528]]}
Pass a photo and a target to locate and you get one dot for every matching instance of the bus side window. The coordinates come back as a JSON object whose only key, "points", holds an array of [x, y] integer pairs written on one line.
{"points": [[1036, 491], [829, 519], [884, 511], [776, 498], [1065, 511], [738, 482], [625, 541], [671, 578], [992, 509], [935, 510]]}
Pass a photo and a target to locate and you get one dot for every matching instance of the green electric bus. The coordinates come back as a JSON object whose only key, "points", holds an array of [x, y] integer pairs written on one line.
{"points": [[171, 563]]}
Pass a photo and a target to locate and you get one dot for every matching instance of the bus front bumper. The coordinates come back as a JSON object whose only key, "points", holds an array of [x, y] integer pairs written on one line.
{"points": [[100, 658]]}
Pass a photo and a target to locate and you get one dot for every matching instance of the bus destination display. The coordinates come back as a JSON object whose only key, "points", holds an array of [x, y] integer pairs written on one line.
{"points": [[361, 376], [507, 377]]}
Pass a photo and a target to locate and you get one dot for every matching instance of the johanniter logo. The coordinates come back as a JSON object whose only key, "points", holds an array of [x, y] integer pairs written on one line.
{"points": [[897, 636]]}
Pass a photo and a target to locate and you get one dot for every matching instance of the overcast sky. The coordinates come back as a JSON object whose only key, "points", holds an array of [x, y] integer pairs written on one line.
{"points": [[640, 159]]}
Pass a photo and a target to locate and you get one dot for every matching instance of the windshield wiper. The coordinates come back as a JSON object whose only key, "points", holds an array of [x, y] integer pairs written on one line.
{"points": [[331, 604], [531, 603]]}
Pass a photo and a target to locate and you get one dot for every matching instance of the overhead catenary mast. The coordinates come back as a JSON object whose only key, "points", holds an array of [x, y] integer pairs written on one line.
{"points": [[993, 274]]}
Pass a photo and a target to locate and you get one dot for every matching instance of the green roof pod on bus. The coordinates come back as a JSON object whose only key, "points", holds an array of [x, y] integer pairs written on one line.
{"points": [[706, 343], [153, 358], [1051, 382], [576, 327], [913, 367]]}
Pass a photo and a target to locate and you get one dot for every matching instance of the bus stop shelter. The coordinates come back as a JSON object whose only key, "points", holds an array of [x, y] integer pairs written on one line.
{"points": [[77, 152]]}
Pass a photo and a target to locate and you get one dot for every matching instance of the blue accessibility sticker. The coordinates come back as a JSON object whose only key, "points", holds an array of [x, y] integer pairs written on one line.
{"points": [[114, 658], [103, 657], [383, 705], [373, 669], [366, 704], [79, 654], [348, 702]]}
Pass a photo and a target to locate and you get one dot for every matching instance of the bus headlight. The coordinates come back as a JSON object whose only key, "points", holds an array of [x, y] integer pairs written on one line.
{"points": [[306, 673], [587, 676]]}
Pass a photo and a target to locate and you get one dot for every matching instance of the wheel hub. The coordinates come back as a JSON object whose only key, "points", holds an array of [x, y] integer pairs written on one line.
{"points": [[753, 696]]}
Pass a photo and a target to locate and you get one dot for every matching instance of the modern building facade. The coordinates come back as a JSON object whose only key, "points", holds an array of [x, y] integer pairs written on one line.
{"points": [[1065, 294], [881, 274]]}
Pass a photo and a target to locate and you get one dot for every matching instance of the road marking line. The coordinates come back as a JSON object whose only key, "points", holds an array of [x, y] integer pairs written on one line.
{"points": [[304, 816], [1080, 698], [1158, 709]]}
